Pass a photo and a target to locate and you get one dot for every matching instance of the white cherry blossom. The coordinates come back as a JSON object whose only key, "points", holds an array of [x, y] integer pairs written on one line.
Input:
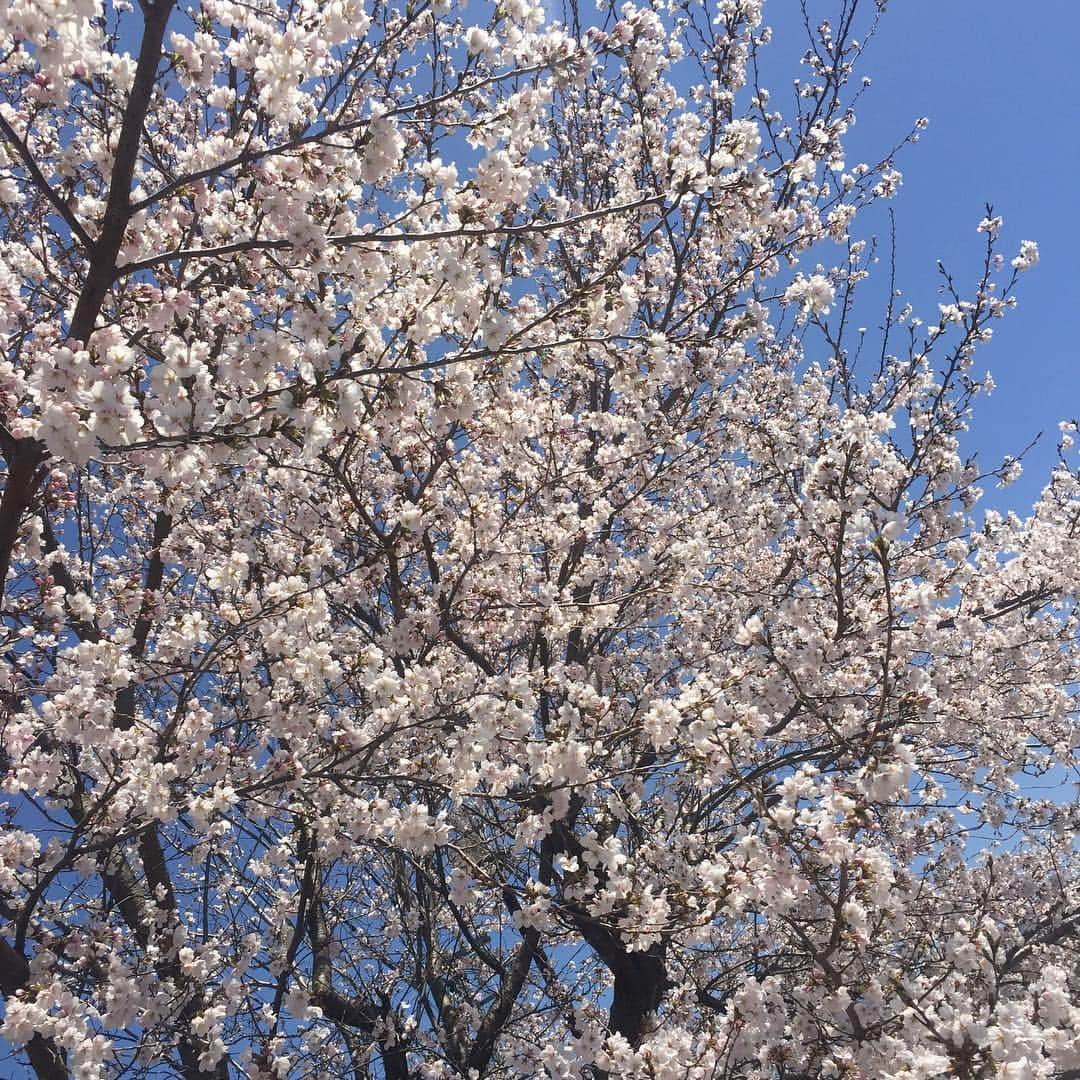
{"points": [[470, 606]]}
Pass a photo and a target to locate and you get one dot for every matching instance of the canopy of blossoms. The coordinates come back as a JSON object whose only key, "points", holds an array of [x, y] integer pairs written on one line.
{"points": [[473, 605]]}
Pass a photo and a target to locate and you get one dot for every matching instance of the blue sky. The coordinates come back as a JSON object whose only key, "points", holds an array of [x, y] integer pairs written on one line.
{"points": [[998, 82]]}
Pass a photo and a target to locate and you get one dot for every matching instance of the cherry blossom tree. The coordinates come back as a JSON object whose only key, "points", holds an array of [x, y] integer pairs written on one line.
{"points": [[473, 604]]}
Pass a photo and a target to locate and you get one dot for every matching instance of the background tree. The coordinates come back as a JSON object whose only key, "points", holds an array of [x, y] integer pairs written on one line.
{"points": [[472, 606]]}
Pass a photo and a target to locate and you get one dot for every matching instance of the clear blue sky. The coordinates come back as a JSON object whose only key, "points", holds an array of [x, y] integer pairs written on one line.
{"points": [[998, 81]]}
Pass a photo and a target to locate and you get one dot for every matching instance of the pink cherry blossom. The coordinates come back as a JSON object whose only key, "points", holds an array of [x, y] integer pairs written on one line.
{"points": [[465, 611]]}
